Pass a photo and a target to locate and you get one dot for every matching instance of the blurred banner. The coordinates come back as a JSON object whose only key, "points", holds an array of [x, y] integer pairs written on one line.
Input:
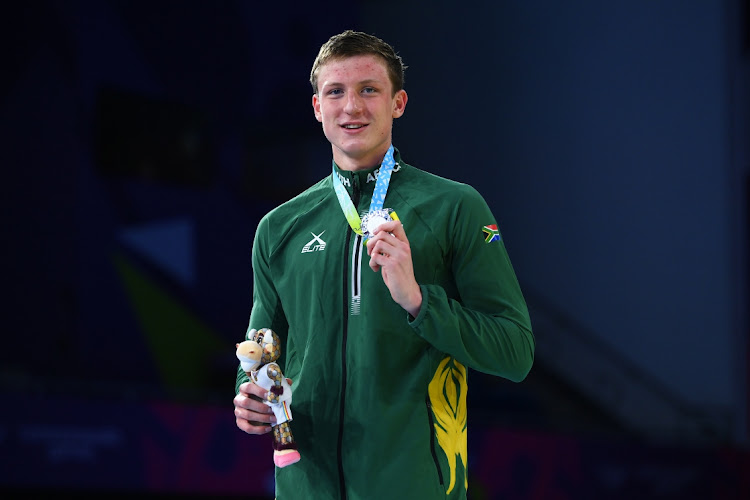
{"points": [[130, 447]]}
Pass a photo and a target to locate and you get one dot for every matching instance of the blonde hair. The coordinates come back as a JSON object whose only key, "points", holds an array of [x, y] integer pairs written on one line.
{"points": [[355, 43]]}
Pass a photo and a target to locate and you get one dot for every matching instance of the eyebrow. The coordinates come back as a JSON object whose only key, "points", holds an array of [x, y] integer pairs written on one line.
{"points": [[369, 81]]}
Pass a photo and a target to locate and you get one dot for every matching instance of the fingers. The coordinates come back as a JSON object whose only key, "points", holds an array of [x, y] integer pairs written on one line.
{"points": [[251, 414], [391, 234], [390, 253], [250, 428], [394, 227], [379, 253], [251, 389], [387, 249], [374, 264], [253, 408]]}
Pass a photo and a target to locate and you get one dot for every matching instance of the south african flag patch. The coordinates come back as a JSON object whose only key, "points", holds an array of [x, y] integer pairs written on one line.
{"points": [[491, 233]]}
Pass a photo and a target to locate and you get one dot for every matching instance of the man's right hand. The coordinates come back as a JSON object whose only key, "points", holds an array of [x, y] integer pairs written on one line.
{"points": [[251, 414]]}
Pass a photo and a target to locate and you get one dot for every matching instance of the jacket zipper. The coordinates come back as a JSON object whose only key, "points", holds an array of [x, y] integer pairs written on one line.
{"points": [[356, 258], [356, 275], [432, 439], [339, 446]]}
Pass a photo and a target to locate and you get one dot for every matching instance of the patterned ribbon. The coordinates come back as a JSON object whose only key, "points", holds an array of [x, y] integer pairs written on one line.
{"points": [[378, 195]]}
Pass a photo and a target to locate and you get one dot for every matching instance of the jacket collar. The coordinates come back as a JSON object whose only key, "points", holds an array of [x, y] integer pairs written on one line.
{"points": [[366, 179]]}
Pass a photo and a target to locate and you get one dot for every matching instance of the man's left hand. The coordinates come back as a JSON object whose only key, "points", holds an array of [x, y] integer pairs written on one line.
{"points": [[390, 253]]}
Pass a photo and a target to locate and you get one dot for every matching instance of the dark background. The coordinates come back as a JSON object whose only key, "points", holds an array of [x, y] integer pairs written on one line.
{"points": [[142, 141]]}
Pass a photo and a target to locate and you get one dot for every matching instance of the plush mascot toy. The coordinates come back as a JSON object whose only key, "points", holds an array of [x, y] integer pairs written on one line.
{"points": [[257, 356]]}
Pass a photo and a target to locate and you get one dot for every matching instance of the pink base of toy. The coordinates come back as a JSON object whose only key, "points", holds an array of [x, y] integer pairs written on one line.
{"points": [[284, 459]]}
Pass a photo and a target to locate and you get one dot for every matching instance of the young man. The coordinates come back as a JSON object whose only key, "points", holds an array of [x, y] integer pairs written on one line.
{"points": [[378, 329]]}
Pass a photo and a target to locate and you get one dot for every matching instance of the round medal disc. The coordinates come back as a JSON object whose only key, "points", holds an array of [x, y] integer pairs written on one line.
{"points": [[373, 220]]}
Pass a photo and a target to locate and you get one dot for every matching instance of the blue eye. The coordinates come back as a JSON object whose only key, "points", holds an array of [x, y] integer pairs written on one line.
{"points": [[369, 90], [335, 92]]}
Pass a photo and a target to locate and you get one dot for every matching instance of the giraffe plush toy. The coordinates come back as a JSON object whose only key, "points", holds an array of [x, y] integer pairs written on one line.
{"points": [[257, 356]]}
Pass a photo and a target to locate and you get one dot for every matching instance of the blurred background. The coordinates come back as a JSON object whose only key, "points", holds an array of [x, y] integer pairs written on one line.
{"points": [[141, 142]]}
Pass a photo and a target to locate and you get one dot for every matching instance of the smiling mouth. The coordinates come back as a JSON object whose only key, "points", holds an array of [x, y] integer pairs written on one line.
{"points": [[353, 127]]}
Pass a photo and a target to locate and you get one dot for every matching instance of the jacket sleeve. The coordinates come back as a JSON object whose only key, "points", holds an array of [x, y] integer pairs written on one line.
{"points": [[267, 311], [487, 327]]}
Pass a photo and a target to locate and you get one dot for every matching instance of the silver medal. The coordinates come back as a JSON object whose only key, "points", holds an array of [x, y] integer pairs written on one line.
{"points": [[373, 220]]}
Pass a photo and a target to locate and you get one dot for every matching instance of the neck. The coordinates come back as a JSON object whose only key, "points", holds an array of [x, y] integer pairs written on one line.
{"points": [[345, 162]]}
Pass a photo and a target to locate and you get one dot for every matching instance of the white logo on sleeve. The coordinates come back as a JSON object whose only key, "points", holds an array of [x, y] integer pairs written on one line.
{"points": [[315, 244]]}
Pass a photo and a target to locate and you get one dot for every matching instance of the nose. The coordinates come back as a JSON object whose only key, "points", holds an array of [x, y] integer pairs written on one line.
{"points": [[353, 103]]}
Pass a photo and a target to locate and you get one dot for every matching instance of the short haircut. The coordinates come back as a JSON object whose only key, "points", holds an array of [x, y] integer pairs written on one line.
{"points": [[355, 43]]}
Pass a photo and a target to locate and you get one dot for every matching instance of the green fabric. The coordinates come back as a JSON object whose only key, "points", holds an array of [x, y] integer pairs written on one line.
{"points": [[400, 434]]}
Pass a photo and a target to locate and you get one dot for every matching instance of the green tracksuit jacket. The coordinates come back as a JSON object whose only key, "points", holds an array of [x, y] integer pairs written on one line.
{"points": [[379, 401]]}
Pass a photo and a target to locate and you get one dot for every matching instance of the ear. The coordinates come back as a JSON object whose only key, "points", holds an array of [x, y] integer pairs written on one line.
{"points": [[316, 107], [399, 103]]}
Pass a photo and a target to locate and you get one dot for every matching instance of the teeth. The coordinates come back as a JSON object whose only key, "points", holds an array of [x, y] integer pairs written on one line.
{"points": [[353, 126]]}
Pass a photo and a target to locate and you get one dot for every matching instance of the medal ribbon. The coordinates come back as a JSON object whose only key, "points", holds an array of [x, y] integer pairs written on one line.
{"points": [[378, 195]]}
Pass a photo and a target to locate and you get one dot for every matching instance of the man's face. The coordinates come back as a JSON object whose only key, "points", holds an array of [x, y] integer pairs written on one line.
{"points": [[356, 105]]}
